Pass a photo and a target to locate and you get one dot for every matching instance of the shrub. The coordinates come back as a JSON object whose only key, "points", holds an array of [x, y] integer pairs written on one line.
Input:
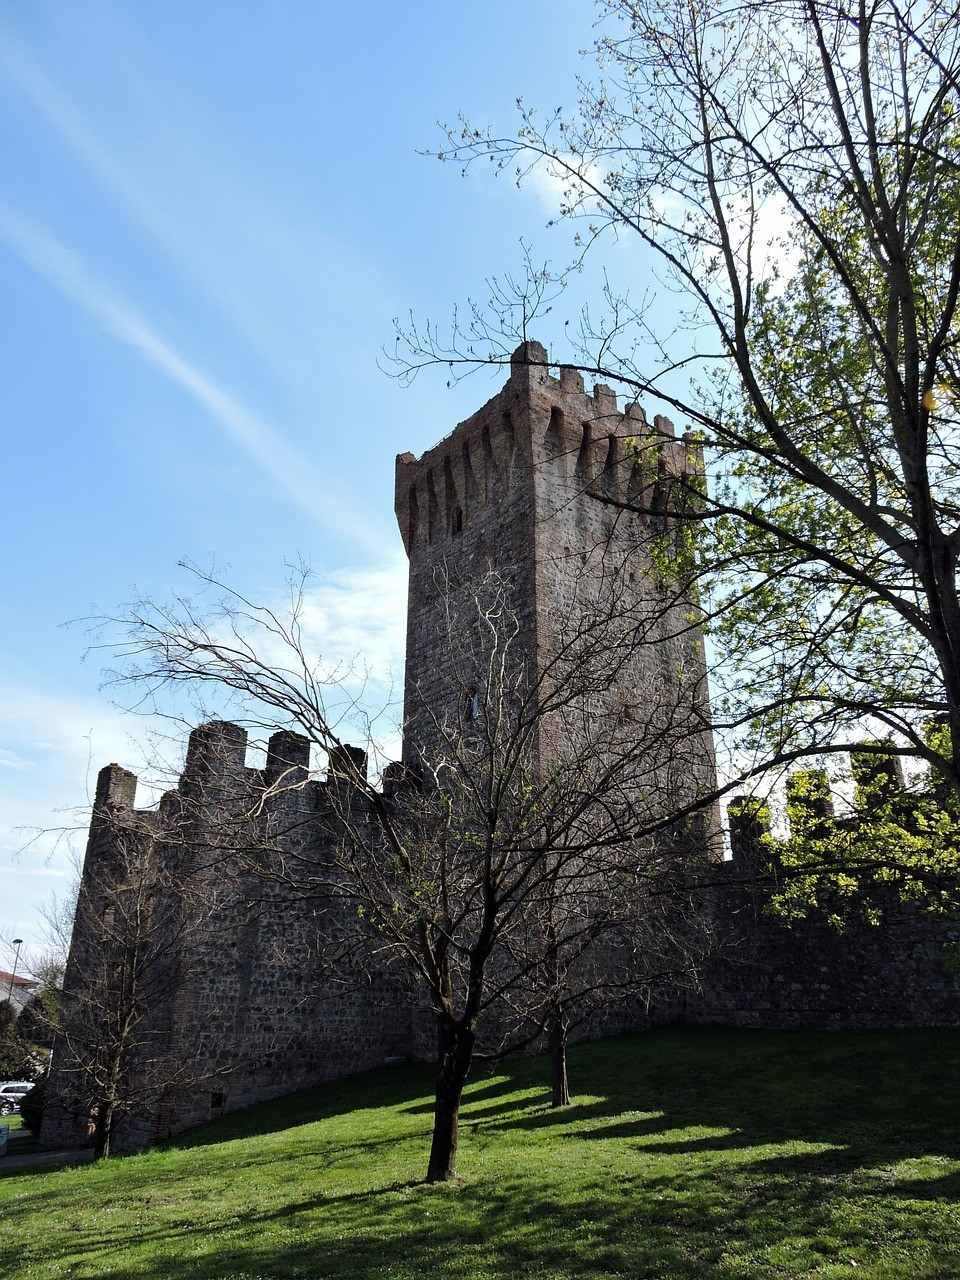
{"points": [[31, 1107], [38, 1018], [20, 1060]]}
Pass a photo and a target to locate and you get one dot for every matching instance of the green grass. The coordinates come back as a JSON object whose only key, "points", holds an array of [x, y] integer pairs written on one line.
{"points": [[684, 1154]]}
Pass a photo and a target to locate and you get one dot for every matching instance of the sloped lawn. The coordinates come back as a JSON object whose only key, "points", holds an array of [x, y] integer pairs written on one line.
{"points": [[684, 1154]]}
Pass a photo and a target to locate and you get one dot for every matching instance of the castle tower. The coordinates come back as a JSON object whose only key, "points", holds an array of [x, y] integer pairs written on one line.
{"points": [[515, 488]]}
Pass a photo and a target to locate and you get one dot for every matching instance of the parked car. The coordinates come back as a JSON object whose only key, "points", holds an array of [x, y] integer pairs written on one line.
{"points": [[11, 1091]]}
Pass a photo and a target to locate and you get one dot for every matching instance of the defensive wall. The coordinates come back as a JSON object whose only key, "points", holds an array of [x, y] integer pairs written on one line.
{"points": [[513, 488], [871, 956], [249, 1011]]}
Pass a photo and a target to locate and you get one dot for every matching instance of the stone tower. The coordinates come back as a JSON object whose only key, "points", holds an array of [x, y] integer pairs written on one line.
{"points": [[515, 487]]}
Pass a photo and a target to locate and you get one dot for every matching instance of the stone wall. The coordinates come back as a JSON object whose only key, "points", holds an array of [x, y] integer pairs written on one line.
{"points": [[250, 1011], [773, 973], [465, 507], [514, 488], [244, 1016]]}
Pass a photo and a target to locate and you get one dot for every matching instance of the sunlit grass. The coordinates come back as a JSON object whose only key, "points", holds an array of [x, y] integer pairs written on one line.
{"points": [[684, 1154]]}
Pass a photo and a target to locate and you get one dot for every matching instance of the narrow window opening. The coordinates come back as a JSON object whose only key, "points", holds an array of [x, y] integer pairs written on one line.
{"points": [[610, 466], [583, 457], [553, 441], [490, 469], [471, 710], [414, 520], [451, 499], [469, 479], [511, 438], [457, 521], [431, 507], [217, 1099]]}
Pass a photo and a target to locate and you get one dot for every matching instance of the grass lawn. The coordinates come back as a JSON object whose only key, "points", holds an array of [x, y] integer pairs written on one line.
{"points": [[685, 1154]]}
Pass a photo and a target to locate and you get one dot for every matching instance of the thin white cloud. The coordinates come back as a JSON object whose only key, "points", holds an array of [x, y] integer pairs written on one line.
{"points": [[281, 298], [35, 872], [775, 251], [777, 247], [357, 617], [352, 632], [765, 238], [12, 760], [44, 809], [62, 742], [556, 187], [62, 113], [360, 611], [61, 267]]}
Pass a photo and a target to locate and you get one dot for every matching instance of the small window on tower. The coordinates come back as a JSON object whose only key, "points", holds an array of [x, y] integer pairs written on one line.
{"points": [[458, 521], [472, 709]]}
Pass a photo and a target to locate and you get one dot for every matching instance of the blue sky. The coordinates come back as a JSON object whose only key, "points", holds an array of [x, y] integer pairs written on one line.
{"points": [[209, 216]]}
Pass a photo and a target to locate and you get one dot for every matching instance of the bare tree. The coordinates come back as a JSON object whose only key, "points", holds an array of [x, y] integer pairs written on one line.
{"points": [[519, 837], [127, 942], [793, 168], [604, 961]]}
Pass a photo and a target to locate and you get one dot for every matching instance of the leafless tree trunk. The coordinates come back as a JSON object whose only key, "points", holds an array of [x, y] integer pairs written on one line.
{"points": [[137, 913], [559, 1030]]}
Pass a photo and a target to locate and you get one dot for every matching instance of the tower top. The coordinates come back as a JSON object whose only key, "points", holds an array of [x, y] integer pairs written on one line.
{"points": [[537, 422]]}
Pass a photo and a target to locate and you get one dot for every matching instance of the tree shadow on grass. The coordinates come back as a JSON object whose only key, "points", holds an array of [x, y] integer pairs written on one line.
{"points": [[68, 1161], [481, 1087], [732, 1153], [445, 1231], [381, 1087], [853, 1089], [681, 1226]]}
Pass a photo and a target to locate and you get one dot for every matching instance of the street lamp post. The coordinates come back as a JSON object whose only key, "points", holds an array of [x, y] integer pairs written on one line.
{"points": [[18, 943]]}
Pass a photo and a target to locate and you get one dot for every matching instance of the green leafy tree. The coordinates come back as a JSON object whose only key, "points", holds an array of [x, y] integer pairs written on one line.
{"points": [[19, 1059], [38, 1018], [892, 846]]}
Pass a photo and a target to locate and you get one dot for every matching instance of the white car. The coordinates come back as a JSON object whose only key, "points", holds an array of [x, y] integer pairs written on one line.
{"points": [[11, 1092]]}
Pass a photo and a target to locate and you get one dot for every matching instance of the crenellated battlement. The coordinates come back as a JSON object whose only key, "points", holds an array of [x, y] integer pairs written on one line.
{"points": [[538, 424], [116, 789], [215, 767], [812, 807]]}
